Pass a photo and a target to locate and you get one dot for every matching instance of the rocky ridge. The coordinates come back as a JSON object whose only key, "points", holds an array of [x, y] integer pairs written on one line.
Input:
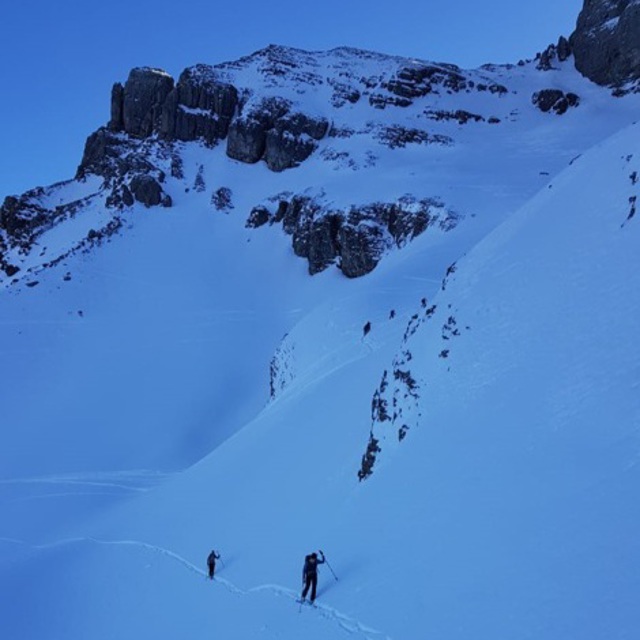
{"points": [[396, 403], [137, 153], [282, 107]]}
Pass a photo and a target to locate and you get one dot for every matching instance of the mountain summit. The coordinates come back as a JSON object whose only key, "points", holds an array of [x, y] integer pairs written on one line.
{"points": [[283, 107], [344, 110]]}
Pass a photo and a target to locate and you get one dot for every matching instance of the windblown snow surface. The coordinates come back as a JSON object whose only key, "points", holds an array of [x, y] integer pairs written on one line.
{"points": [[139, 432]]}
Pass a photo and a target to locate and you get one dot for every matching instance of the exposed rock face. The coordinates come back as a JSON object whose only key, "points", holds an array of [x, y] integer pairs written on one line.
{"points": [[147, 190], [363, 245], [101, 152], [117, 100], [202, 106], [247, 140], [460, 115], [219, 104], [555, 100], [284, 150], [419, 80], [397, 403], [355, 239], [111, 156], [398, 136], [136, 108], [563, 49], [560, 52], [25, 218], [258, 217], [275, 106], [221, 199], [324, 242], [120, 197], [292, 140], [606, 42], [126, 168], [198, 107], [18, 216], [6, 266], [270, 131]]}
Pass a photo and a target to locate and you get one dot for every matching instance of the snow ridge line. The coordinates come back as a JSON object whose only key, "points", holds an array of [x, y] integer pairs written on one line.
{"points": [[347, 623]]}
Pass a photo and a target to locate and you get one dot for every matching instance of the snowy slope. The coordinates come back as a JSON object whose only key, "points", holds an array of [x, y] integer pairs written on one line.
{"points": [[509, 510], [144, 330]]}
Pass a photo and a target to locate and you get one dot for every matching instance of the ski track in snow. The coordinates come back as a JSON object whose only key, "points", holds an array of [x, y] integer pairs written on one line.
{"points": [[134, 481], [347, 623], [12, 541], [69, 494]]}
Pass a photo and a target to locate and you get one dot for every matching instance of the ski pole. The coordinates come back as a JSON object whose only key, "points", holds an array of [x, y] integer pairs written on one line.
{"points": [[328, 565]]}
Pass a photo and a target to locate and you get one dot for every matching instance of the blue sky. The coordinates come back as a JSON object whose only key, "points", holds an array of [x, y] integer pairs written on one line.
{"points": [[58, 61]]}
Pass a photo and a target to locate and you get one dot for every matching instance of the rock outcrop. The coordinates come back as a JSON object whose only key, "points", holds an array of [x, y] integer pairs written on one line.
{"points": [[5, 266], [137, 107], [147, 190], [219, 105], [354, 239], [24, 219], [202, 106], [126, 167], [606, 42], [418, 80], [554, 100], [197, 107], [19, 215], [276, 107], [554, 53]]}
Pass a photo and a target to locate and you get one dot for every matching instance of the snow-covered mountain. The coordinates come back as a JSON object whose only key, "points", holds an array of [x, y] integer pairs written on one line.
{"points": [[337, 300]]}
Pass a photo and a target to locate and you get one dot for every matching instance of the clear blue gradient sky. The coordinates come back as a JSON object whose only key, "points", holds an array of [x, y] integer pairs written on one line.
{"points": [[58, 60]]}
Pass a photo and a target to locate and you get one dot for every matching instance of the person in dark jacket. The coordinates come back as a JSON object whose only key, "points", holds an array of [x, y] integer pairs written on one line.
{"points": [[211, 563], [310, 574]]}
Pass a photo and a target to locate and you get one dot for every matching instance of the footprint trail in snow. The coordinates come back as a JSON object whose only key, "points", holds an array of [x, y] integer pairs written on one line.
{"points": [[345, 622]]}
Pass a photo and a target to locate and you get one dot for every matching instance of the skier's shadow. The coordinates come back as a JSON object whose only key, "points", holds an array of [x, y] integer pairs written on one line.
{"points": [[343, 572], [223, 565]]}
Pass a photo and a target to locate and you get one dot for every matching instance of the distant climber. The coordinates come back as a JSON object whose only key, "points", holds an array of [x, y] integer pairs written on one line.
{"points": [[211, 563], [310, 575]]}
